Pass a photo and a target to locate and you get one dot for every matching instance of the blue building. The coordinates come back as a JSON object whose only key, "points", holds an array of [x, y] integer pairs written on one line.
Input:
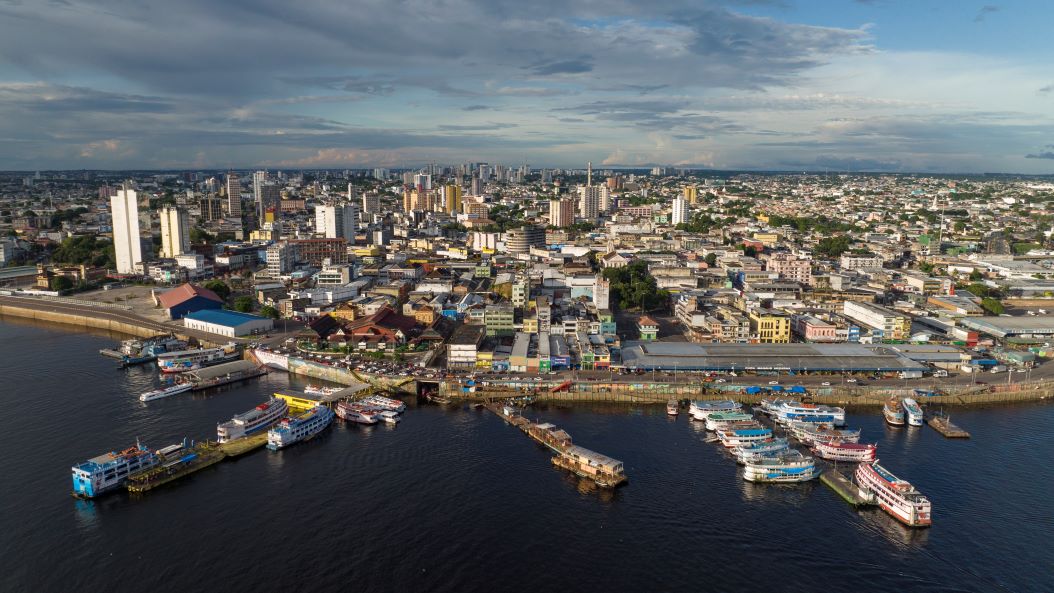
{"points": [[188, 299]]}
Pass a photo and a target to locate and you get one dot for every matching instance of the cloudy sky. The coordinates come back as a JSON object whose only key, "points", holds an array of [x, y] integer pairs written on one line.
{"points": [[919, 85]]}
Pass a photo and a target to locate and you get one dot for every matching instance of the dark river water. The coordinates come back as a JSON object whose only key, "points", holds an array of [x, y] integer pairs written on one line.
{"points": [[453, 499]]}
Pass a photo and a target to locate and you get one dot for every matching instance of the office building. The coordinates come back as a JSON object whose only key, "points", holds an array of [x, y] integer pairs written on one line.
{"points": [[371, 203], [124, 208], [175, 232], [234, 196], [691, 194], [452, 198], [337, 221]]}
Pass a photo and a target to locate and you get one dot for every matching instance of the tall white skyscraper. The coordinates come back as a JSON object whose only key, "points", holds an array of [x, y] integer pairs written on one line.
{"points": [[175, 232], [124, 207], [234, 196], [337, 221], [605, 199], [589, 201], [680, 210]]}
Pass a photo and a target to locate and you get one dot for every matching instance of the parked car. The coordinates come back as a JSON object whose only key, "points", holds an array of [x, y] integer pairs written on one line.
{"points": [[826, 383], [774, 382]]}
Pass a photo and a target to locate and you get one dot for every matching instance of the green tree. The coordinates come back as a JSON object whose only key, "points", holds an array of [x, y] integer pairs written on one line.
{"points": [[269, 311], [244, 304], [992, 305], [976, 276], [710, 259], [61, 283], [219, 287], [200, 235], [833, 246]]}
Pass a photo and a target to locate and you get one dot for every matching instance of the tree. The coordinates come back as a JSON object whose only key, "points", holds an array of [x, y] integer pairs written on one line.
{"points": [[219, 287], [244, 304], [61, 283], [750, 251], [992, 305], [976, 276], [833, 246], [269, 311], [979, 290], [200, 235], [710, 259]]}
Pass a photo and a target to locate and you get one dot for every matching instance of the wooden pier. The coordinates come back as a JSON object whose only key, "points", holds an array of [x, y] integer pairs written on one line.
{"points": [[845, 488], [943, 424]]}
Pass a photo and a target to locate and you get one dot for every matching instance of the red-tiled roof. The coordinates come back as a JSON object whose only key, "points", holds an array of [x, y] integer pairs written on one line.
{"points": [[183, 293]]}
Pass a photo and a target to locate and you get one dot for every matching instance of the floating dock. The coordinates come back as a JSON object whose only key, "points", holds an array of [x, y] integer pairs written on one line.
{"points": [[943, 425], [222, 374], [244, 445], [845, 488], [199, 457]]}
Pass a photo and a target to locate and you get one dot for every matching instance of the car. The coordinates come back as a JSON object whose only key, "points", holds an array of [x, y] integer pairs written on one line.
{"points": [[774, 382], [826, 383], [980, 383], [719, 381], [850, 380]]}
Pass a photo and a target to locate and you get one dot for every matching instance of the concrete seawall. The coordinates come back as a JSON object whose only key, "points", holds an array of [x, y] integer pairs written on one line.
{"points": [[78, 320]]}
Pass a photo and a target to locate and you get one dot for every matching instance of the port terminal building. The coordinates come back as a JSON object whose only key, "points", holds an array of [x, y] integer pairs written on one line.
{"points": [[797, 358], [227, 323]]}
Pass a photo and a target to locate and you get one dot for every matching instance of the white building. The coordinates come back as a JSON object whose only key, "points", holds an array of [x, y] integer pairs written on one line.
{"points": [[589, 201], [280, 258], [601, 293], [337, 221], [680, 211], [227, 323], [124, 208], [175, 232]]}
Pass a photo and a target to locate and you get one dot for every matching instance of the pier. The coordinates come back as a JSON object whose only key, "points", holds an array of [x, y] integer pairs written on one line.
{"points": [[943, 424], [200, 456], [241, 446], [223, 374], [844, 487]]}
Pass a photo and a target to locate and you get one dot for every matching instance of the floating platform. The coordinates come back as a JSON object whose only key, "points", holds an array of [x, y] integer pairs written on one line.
{"points": [[200, 456], [222, 374], [845, 488], [943, 425], [110, 352], [243, 445]]}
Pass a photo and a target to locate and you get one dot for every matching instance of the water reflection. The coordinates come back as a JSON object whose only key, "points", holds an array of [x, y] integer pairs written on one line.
{"points": [[878, 521], [793, 494]]}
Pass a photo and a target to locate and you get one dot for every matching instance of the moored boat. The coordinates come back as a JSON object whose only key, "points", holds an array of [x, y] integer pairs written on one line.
{"points": [[787, 468], [355, 413], [389, 416], [165, 392], [895, 496], [713, 421], [699, 410], [255, 420], [839, 451], [110, 470], [795, 411], [741, 437], [811, 433], [912, 411], [304, 427], [192, 360], [893, 412], [318, 390], [603, 470], [760, 449], [384, 403], [671, 408]]}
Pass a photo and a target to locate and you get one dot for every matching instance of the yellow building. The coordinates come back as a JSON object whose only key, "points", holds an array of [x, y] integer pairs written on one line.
{"points": [[768, 239], [691, 194], [452, 198], [770, 328], [530, 325]]}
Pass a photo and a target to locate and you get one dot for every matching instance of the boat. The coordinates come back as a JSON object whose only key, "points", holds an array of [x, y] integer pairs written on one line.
{"points": [[785, 468], [912, 411], [165, 391], [389, 416], [791, 411], [771, 405], [275, 360], [111, 470], [811, 433], [723, 418], [699, 410], [192, 360], [760, 448], [603, 470], [895, 496], [136, 351], [787, 454], [671, 408], [355, 413], [836, 450], [318, 390], [384, 403], [302, 428], [893, 412], [745, 436], [255, 420]]}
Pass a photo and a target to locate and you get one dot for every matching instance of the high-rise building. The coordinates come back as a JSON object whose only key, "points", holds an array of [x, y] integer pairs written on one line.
{"points": [[210, 207], [522, 239], [124, 208], [589, 202], [452, 198], [234, 196], [477, 186], [691, 194], [422, 182], [175, 232], [605, 199], [280, 258], [562, 212], [259, 177], [680, 210], [601, 293], [371, 203], [337, 221]]}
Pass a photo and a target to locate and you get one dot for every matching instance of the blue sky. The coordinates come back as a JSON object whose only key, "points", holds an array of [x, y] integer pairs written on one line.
{"points": [[850, 85]]}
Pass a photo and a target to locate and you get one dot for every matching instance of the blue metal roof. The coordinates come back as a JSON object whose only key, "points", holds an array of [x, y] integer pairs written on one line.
{"points": [[223, 317]]}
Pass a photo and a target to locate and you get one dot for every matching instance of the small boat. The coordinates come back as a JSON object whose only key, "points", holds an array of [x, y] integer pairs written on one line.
{"points": [[671, 407], [839, 451], [912, 410], [318, 390], [893, 412], [389, 416], [165, 392]]}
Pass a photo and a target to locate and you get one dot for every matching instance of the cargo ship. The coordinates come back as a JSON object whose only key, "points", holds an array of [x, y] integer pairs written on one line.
{"points": [[912, 411], [192, 360], [111, 470], [895, 496], [165, 392], [302, 428], [255, 420], [275, 360], [839, 451], [893, 412], [785, 468]]}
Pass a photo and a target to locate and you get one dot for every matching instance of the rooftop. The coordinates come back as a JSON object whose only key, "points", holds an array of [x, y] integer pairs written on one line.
{"points": [[223, 317]]}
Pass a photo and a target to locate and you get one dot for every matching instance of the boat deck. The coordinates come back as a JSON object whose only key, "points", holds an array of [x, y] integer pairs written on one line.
{"points": [[943, 425]]}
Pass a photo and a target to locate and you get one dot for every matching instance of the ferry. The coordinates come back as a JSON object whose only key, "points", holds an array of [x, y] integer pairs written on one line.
{"points": [[384, 403], [787, 454], [165, 392], [896, 497], [320, 391], [671, 408], [912, 411], [275, 360], [720, 418], [302, 428], [699, 410], [111, 470], [740, 437], [788, 468], [893, 412], [796, 411], [355, 413], [838, 451], [811, 433], [761, 448], [192, 360], [770, 405], [255, 420]]}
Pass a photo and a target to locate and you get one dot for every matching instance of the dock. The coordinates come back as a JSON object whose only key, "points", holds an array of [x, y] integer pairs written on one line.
{"points": [[201, 456], [241, 446], [943, 424], [222, 374], [845, 488]]}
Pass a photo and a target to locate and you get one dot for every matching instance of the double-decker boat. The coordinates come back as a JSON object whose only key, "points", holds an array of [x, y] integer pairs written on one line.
{"points": [[766, 447], [111, 470], [895, 496], [893, 412], [912, 411], [811, 433], [744, 436], [380, 402], [255, 420], [713, 421], [356, 413], [304, 427], [795, 411], [699, 410], [165, 392], [838, 451], [785, 468], [192, 360]]}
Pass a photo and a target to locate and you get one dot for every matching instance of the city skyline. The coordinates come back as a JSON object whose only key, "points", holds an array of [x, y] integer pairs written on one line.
{"points": [[836, 86]]}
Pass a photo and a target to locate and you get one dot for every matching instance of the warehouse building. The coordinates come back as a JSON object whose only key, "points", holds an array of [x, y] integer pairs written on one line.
{"points": [[815, 358], [227, 323]]}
